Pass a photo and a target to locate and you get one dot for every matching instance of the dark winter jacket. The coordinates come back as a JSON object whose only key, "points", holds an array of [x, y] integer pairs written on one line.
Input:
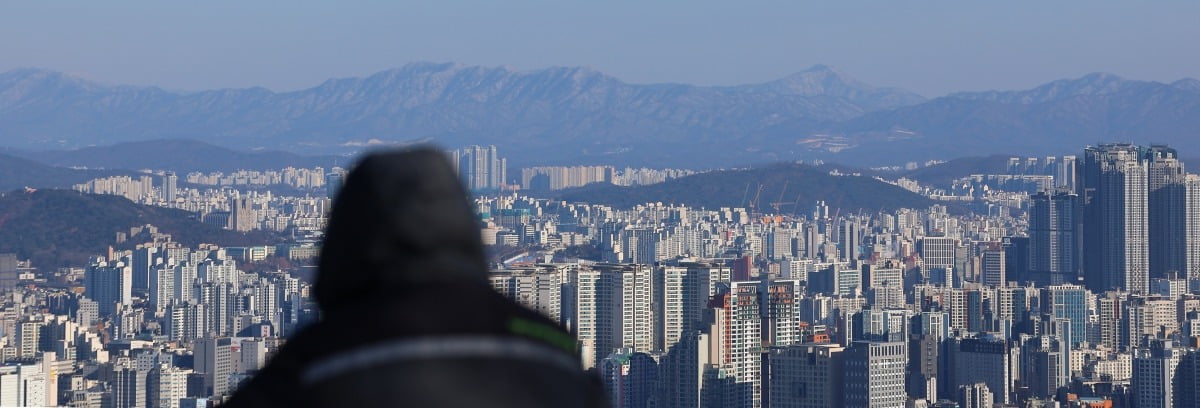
{"points": [[408, 318]]}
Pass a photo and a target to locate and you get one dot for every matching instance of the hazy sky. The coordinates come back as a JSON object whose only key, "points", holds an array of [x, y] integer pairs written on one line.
{"points": [[931, 47]]}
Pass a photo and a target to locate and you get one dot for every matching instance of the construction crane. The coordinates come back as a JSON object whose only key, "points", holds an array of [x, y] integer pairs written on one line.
{"points": [[754, 202], [779, 202]]}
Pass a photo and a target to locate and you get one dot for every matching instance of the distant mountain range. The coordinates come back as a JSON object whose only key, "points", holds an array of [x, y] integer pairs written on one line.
{"points": [[788, 187], [577, 115]]}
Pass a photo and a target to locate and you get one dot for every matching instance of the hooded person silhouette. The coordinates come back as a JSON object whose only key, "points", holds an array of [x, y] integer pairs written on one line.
{"points": [[408, 317]]}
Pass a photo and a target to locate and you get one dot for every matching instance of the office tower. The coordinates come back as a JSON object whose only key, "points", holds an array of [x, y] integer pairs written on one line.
{"points": [[1166, 212], [213, 359], [1154, 380], [629, 378], [1016, 258], [983, 359], [169, 188], [975, 396], [938, 255], [992, 267], [8, 272], [850, 240], [1045, 365], [1053, 242], [480, 168], [743, 269], [681, 293], [847, 281], [806, 376], [110, 286], [1192, 227], [143, 263], [1115, 234], [333, 182], [681, 370], [929, 330], [737, 329], [874, 374], [614, 310], [1070, 302]]}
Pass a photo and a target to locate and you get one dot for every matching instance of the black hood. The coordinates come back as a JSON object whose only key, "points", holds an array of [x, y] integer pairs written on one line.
{"points": [[401, 219]]}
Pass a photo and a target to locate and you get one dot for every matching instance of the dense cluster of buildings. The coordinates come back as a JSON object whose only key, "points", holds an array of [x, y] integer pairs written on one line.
{"points": [[1085, 294], [543, 178], [1081, 292], [162, 325]]}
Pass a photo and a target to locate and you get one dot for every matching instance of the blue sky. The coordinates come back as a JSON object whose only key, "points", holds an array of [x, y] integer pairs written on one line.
{"points": [[930, 47]]}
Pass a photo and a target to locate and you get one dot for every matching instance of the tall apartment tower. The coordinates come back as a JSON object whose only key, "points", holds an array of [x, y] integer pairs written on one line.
{"points": [[1053, 240], [169, 186], [1167, 198], [874, 374], [1115, 219], [480, 168], [680, 294], [614, 310], [1192, 228], [1066, 177], [992, 267], [737, 329], [109, 286]]}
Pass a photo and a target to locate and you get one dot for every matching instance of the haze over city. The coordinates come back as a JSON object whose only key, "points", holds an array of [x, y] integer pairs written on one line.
{"points": [[932, 48], [534, 203]]}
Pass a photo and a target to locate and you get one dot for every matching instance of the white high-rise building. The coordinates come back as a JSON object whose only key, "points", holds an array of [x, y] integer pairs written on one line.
{"points": [[614, 310], [480, 168], [1115, 224], [1192, 228], [737, 330], [538, 288], [167, 385]]}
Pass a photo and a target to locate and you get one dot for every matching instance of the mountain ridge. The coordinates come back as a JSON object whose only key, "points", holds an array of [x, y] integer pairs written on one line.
{"points": [[578, 115]]}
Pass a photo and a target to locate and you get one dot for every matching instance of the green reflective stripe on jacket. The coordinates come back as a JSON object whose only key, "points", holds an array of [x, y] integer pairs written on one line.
{"points": [[543, 332]]}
